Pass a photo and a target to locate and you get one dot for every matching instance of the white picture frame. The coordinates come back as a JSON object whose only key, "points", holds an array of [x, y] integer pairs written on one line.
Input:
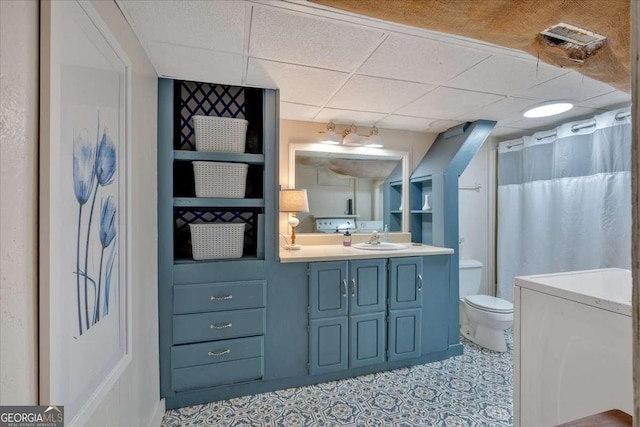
{"points": [[84, 202]]}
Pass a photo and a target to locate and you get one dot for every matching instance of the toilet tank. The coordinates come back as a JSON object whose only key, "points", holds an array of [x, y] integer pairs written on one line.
{"points": [[470, 277]]}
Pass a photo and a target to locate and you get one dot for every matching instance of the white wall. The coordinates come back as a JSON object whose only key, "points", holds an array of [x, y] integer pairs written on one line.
{"points": [[135, 398], [18, 202], [477, 213]]}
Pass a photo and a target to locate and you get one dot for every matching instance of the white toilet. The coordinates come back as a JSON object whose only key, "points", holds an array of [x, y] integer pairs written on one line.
{"points": [[483, 318]]}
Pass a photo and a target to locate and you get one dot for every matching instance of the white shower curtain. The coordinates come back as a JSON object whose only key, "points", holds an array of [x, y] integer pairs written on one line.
{"points": [[564, 199]]}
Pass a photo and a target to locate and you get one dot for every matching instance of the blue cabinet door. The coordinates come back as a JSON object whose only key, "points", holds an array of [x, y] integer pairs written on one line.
{"points": [[367, 286], [405, 333], [437, 306], [366, 339], [328, 345], [405, 290], [328, 289]]}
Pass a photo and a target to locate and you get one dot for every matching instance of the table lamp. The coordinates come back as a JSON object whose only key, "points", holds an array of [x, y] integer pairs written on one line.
{"points": [[293, 200]]}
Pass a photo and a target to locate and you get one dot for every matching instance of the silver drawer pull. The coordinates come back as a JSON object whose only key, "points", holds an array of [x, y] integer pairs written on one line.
{"points": [[224, 326], [344, 283], [420, 282], [219, 353], [224, 298]]}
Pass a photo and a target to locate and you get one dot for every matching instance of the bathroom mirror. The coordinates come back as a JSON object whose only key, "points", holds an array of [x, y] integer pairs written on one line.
{"points": [[345, 187]]}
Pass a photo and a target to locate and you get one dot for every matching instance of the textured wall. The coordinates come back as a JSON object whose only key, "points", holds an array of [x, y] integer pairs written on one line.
{"points": [[135, 398], [516, 24], [18, 201]]}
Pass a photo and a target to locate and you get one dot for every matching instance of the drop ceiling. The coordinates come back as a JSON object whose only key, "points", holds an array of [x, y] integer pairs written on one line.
{"points": [[335, 65]]}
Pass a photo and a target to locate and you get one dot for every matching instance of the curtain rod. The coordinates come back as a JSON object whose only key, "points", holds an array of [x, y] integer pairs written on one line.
{"points": [[574, 128]]}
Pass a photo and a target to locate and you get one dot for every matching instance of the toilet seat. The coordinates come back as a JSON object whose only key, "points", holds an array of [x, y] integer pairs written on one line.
{"points": [[489, 304]]}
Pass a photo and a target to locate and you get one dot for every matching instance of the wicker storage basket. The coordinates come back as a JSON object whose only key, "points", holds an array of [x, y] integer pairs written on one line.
{"points": [[220, 133], [217, 241], [218, 179]]}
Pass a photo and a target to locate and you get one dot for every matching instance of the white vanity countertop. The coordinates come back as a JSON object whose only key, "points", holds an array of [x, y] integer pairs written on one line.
{"points": [[311, 253], [608, 289]]}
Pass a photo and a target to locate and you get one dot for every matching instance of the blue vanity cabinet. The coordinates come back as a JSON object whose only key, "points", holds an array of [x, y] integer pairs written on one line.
{"points": [[346, 314], [406, 283]]}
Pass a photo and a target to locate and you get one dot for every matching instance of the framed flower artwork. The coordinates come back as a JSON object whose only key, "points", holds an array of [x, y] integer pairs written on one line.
{"points": [[85, 298]]}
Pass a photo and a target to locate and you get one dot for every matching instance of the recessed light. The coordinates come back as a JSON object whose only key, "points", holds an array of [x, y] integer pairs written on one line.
{"points": [[548, 109]]}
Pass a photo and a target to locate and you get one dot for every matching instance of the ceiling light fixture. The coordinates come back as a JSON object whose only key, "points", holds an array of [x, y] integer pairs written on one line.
{"points": [[330, 136], [374, 140], [351, 137], [548, 109]]}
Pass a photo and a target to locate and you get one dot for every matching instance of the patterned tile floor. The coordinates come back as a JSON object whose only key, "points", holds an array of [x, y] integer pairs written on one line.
{"points": [[474, 389]]}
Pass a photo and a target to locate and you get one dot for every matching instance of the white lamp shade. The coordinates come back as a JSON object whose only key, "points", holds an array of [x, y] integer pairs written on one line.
{"points": [[331, 138], [351, 139], [373, 141], [294, 200]]}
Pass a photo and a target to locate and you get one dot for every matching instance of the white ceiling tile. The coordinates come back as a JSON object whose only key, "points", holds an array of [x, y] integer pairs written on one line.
{"points": [[376, 94], [419, 60], [505, 75], [572, 86], [196, 64], [302, 39], [406, 123], [508, 132], [298, 84], [447, 103], [348, 116], [442, 125], [504, 112], [291, 111], [216, 25], [576, 113], [611, 100]]}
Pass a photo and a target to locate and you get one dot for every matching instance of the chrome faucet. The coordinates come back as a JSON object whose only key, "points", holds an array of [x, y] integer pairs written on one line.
{"points": [[374, 239]]}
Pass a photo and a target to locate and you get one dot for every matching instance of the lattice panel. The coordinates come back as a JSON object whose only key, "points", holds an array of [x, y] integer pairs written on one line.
{"points": [[185, 217], [208, 100]]}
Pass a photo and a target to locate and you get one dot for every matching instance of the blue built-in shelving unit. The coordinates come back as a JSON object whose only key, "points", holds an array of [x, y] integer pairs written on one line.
{"points": [[188, 288], [437, 175]]}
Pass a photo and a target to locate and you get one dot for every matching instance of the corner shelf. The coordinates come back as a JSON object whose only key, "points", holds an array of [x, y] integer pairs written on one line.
{"points": [[421, 212]]}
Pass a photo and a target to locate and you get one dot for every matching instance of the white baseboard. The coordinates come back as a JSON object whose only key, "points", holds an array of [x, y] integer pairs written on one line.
{"points": [[156, 421]]}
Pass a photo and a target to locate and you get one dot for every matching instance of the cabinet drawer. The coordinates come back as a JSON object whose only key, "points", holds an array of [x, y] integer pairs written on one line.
{"points": [[216, 352], [216, 374], [188, 328], [218, 296]]}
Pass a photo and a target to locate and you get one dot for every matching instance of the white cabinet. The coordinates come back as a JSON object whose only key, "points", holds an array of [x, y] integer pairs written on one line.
{"points": [[573, 352]]}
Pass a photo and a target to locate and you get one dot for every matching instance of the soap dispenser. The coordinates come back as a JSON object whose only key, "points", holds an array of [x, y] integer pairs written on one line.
{"points": [[347, 239], [386, 233]]}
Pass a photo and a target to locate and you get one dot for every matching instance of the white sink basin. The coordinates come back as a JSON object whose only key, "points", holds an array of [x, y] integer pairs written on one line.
{"points": [[381, 246]]}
